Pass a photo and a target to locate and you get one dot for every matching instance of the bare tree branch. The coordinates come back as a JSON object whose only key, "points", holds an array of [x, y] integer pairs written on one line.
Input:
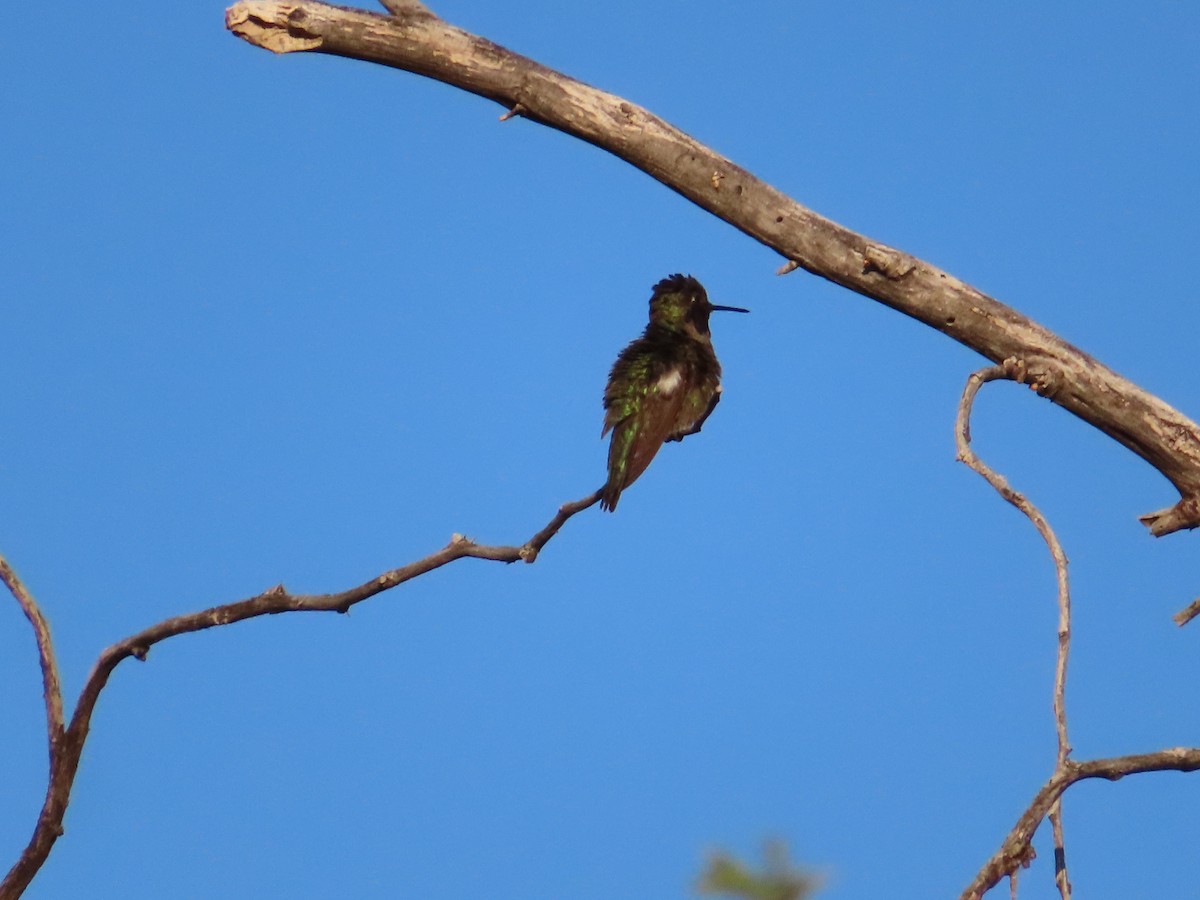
{"points": [[1015, 370], [49, 823], [1017, 850], [66, 748], [414, 39], [51, 685], [424, 44]]}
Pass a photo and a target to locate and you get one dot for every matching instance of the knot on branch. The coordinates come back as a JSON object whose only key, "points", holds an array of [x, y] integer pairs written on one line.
{"points": [[891, 264], [1038, 372]]}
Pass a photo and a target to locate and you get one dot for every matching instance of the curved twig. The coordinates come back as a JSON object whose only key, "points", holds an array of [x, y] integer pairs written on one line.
{"points": [[66, 747], [1013, 370], [422, 43], [1017, 849], [51, 685], [49, 822]]}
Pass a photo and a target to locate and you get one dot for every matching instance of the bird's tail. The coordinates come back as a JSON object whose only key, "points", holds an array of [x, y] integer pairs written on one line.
{"points": [[609, 495]]}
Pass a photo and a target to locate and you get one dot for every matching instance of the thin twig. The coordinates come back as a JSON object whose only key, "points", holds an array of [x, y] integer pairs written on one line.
{"points": [[531, 550], [1016, 371], [49, 823], [51, 685], [1012, 370], [516, 110], [1016, 848], [66, 747], [1061, 880]]}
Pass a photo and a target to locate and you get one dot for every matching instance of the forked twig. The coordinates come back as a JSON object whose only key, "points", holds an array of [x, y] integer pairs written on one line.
{"points": [[67, 746], [1017, 849]]}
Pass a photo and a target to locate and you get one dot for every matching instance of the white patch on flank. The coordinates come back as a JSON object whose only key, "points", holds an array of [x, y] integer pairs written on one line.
{"points": [[669, 381]]}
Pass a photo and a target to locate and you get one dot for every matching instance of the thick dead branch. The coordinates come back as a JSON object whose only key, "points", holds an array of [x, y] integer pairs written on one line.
{"points": [[422, 43], [66, 747]]}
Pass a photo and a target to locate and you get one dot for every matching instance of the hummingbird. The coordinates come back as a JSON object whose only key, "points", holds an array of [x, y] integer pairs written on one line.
{"points": [[664, 385]]}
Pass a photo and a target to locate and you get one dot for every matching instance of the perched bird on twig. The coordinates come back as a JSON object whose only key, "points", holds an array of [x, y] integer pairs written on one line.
{"points": [[664, 385]]}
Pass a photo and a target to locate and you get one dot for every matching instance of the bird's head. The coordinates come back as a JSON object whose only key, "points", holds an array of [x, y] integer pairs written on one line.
{"points": [[680, 303]]}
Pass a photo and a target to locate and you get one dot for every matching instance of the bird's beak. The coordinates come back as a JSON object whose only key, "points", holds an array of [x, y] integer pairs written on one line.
{"points": [[730, 308]]}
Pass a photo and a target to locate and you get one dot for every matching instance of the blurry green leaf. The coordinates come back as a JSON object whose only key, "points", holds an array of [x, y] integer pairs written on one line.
{"points": [[778, 879]]}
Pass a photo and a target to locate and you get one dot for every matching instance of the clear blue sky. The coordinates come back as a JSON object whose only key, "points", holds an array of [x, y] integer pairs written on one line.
{"points": [[300, 319]]}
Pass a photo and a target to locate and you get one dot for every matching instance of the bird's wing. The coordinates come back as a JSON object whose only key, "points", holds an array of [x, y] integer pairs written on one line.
{"points": [[695, 427], [639, 434]]}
